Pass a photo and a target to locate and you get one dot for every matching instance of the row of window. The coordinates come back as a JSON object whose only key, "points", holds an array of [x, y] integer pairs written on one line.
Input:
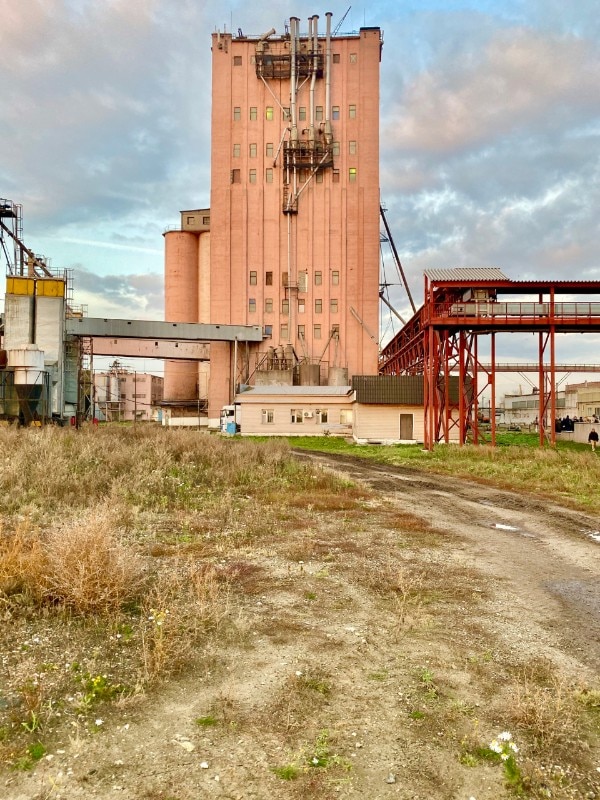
{"points": [[335, 58], [317, 331], [236, 175], [269, 150], [302, 278], [285, 306], [286, 113], [301, 415]]}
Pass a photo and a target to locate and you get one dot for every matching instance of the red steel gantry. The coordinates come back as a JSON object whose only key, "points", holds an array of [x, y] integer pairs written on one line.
{"points": [[442, 337]]}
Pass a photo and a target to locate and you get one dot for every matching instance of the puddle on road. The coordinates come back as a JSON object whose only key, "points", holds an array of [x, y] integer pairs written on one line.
{"points": [[593, 535], [500, 526]]}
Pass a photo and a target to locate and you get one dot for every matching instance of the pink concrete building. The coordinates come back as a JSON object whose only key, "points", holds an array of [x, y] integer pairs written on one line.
{"points": [[122, 395], [291, 241]]}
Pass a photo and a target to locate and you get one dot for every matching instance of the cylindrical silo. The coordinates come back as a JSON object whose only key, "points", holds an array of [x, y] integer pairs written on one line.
{"points": [[309, 374], [181, 305], [337, 376]]}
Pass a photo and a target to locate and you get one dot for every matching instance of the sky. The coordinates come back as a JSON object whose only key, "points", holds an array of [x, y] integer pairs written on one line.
{"points": [[490, 137]]}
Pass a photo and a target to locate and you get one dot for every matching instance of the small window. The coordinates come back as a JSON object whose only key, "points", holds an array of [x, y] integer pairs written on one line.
{"points": [[333, 306], [285, 306], [352, 174], [352, 111], [352, 148], [316, 331], [318, 306], [319, 113], [237, 61], [269, 175], [303, 281], [322, 415], [268, 305], [335, 148], [268, 279], [237, 113], [283, 332], [335, 112], [252, 306], [284, 279], [302, 113], [236, 176], [353, 58], [252, 176], [301, 331], [269, 149], [252, 150], [253, 277], [335, 277], [296, 416], [345, 416], [286, 114], [335, 176], [206, 220], [335, 331], [336, 58], [267, 416], [191, 220], [318, 277], [237, 150], [269, 112], [301, 306], [319, 177], [253, 113]]}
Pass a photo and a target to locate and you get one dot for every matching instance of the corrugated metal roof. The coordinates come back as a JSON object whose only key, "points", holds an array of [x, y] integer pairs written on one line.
{"points": [[299, 391], [398, 390], [391, 390], [467, 274]]}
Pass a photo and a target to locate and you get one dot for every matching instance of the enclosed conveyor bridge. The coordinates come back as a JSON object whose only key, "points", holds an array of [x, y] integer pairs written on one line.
{"points": [[154, 339]]}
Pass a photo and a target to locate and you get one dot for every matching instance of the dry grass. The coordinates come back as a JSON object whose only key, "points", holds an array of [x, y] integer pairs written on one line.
{"points": [[87, 568], [129, 557], [21, 560], [544, 708]]}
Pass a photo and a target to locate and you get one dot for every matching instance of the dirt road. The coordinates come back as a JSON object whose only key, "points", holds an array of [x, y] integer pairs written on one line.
{"points": [[547, 556]]}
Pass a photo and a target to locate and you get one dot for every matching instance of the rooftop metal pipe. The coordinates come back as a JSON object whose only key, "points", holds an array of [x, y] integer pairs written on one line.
{"points": [[260, 45]]}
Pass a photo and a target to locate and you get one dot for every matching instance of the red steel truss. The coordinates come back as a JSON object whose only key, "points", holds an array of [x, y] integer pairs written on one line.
{"points": [[441, 340]]}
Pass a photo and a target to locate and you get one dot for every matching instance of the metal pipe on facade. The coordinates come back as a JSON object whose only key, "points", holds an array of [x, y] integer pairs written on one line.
{"points": [[328, 131], [294, 22], [289, 266], [313, 43]]}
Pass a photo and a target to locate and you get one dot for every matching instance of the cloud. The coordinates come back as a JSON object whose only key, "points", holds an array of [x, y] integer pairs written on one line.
{"points": [[522, 79], [122, 297]]}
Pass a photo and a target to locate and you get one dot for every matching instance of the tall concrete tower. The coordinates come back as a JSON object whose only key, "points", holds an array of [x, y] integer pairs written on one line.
{"points": [[294, 209]]}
